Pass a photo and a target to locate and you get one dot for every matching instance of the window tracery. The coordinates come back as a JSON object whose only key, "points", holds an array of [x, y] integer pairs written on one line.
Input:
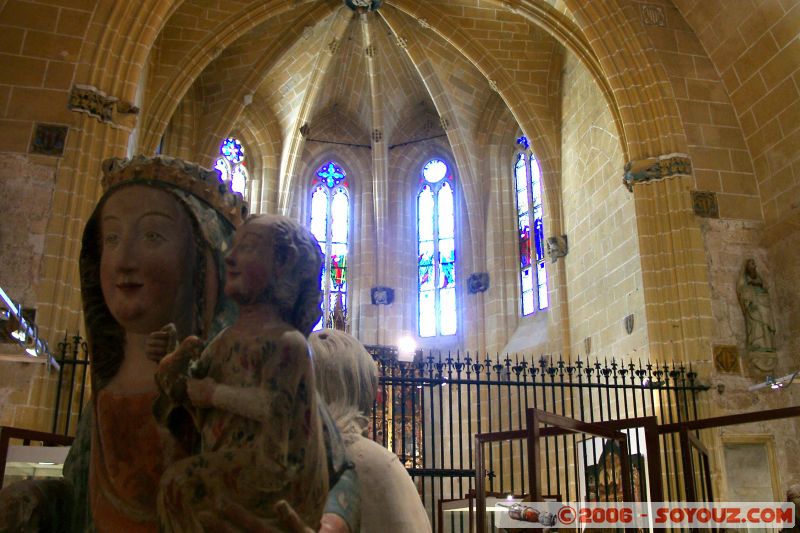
{"points": [[436, 252], [330, 224], [530, 227]]}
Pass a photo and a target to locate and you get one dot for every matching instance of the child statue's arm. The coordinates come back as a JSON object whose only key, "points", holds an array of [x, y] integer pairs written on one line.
{"points": [[274, 397]]}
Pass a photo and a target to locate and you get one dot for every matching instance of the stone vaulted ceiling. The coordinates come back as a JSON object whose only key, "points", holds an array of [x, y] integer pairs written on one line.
{"points": [[403, 70]]}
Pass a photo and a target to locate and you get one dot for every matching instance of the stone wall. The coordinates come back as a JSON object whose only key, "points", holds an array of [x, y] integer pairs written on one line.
{"points": [[729, 243], [27, 388], [603, 267], [26, 205]]}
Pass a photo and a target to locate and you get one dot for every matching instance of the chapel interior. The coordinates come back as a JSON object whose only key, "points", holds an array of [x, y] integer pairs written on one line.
{"points": [[604, 171]]}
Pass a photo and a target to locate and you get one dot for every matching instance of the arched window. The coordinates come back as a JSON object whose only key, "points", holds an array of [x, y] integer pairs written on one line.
{"points": [[436, 251], [532, 272], [330, 224], [231, 165]]}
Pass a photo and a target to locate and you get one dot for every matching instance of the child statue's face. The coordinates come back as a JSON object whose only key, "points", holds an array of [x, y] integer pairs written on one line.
{"points": [[147, 253], [250, 263]]}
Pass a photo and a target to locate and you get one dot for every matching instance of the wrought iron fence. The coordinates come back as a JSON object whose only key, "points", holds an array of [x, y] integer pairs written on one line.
{"points": [[73, 360], [428, 411]]}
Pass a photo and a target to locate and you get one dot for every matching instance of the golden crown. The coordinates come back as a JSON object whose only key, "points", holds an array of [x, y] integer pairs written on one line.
{"points": [[192, 178]]}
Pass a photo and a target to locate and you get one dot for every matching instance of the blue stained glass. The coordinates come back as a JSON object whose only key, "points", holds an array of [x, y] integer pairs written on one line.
{"points": [[447, 260], [330, 224], [538, 238], [425, 265], [531, 246], [436, 248], [330, 174], [232, 150]]}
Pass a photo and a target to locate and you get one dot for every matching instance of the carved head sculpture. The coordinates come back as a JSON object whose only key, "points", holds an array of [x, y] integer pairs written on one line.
{"points": [[152, 253], [347, 377], [276, 260], [751, 269]]}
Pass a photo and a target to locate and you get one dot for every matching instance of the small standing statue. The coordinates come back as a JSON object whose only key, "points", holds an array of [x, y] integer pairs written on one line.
{"points": [[339, 315], [252, 394], [754, 301]]}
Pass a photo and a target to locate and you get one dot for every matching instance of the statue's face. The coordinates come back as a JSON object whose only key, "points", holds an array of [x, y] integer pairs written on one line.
{"points": [[250, 263], [147, 259], [751, 268]]}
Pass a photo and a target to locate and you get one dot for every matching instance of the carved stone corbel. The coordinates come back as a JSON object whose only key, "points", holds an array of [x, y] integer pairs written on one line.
{"points": [[557, 246], [656, 168]]}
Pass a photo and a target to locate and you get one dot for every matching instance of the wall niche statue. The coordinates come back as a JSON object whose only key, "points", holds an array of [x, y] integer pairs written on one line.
{"points": [[760, 329]]}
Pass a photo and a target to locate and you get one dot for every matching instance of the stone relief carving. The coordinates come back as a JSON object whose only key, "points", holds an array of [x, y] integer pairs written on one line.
{"points": [[653, 16], [704, 204], [629, 324], [382, 295], [49, 139], [478, 282], [726, 358], [332, 47], [92, 101]]}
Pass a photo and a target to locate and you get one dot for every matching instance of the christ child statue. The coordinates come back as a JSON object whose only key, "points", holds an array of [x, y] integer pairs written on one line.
{"points": [[251, 393]]}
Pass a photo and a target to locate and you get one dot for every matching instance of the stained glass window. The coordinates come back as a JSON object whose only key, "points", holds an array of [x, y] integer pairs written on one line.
{"points": [[330, 224], [231, 165], [532, 271], [436, 251]]}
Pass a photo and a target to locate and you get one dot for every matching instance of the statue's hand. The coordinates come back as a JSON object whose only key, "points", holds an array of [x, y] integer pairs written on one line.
{"points": [[333, 523], [201, 391], [161, 342], [178, 360], [290, 519], [173, 369]]}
